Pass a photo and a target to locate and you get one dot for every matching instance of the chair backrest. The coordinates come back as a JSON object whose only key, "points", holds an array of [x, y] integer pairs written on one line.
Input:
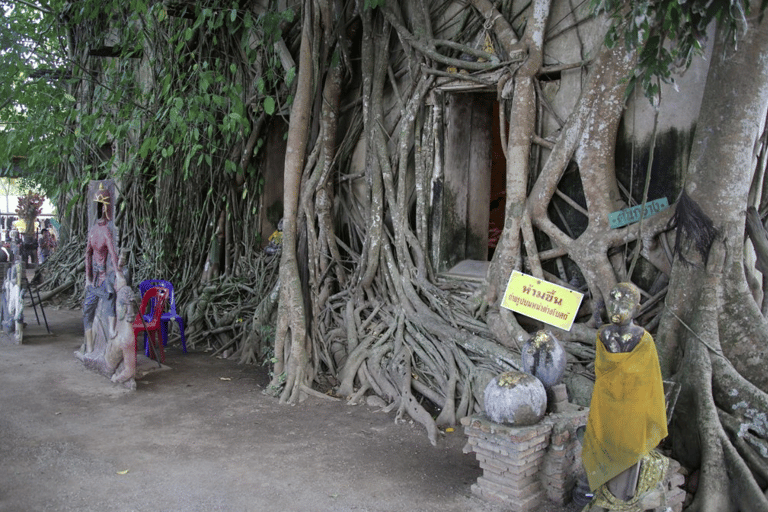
{"points": [[151, 283], [155, 299]]}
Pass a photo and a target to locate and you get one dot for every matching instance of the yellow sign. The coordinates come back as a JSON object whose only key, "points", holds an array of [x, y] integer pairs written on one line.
{"points": [[542, 300]]}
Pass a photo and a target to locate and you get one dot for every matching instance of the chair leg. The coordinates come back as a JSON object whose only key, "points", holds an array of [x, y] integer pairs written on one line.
{"points": [[164, 332], [161, 349], [148, 348], [156, 348], [180, 322]]}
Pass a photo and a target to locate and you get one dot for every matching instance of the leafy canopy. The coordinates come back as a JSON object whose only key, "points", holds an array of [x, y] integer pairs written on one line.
{"points": [[668, 33], [31, 107], [62, 104]]}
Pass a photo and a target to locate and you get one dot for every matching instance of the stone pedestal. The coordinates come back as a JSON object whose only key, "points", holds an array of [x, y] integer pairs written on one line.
{"points": [[523, 466]]}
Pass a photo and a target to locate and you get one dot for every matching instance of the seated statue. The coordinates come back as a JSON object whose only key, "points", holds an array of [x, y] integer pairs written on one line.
{"points": [[627, 417]]}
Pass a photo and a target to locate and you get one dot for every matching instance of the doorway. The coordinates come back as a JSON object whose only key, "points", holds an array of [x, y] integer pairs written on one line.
{"points": [[469, 205]]}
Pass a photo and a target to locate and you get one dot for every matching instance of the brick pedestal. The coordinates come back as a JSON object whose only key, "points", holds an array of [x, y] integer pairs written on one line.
{"points": [[522, 466], [562, 462]]}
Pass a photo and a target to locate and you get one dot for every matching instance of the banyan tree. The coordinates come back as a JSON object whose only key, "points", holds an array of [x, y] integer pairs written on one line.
{"points": [[401, 142]]}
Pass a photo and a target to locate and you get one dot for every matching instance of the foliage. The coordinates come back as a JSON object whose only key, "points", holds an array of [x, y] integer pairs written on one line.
{"points": [[29, 207], [10, 186], [163, 98], [33, 108], [668, 33]]}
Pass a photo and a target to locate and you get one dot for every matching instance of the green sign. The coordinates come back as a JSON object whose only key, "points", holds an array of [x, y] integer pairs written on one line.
{"points": [[632, 215]]}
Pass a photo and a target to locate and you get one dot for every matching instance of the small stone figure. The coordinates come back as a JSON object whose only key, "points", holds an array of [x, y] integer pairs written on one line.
{"points": [[99, 279], [515, 398], [627, 417]]}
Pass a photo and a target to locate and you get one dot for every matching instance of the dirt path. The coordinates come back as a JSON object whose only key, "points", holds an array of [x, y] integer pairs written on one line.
{"points": [[203, 437]]}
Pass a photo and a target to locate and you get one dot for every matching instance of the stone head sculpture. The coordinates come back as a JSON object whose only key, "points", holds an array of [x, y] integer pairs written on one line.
{"points": [[623, 303]]}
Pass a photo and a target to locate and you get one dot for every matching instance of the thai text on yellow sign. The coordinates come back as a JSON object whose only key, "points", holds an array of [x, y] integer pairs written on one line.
{"points": [[542, 300]]}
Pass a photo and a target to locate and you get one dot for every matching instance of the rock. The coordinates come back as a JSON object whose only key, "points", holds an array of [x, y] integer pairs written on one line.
{"points": [[579, 387], [515, 398], [543, 357]]}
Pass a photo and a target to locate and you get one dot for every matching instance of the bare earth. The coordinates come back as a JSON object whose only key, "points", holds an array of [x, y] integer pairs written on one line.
{"points": [[203, 437]]}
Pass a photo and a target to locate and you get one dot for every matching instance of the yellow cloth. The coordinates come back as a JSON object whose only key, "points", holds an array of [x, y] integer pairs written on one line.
{"points": [[627, 415]]}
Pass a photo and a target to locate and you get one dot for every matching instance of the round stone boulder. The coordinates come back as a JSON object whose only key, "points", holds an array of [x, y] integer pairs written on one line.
{"points": [[515, 398], [543, 357]]}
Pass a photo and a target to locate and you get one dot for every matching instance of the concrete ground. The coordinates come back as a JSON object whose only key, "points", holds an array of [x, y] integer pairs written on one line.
{"points": [[203, 437]]}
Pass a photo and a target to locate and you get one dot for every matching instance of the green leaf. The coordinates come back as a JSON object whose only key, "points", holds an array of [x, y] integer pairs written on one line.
{"points": [[269, 105], [248, 20], [69, 97], [146, 147], [290, 75]]}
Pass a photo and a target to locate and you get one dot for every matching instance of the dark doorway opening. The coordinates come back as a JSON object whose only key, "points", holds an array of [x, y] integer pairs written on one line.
{"points": [[498, 184], [472, 196]]}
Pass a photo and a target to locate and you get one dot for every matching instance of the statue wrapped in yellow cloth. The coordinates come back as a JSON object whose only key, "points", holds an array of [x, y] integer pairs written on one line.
{"points": [[627, 416]]}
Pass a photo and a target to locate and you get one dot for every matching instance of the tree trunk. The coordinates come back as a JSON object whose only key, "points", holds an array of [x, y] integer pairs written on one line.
{"points": [[711, 319], [291, 340]]}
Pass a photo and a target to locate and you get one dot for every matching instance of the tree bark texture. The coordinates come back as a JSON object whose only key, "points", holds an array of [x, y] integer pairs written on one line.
{"points": [[712, 330]]}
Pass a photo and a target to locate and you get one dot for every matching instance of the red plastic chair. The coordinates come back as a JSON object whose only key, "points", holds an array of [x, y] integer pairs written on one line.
{"points": [[151, 324], [169, 315]]}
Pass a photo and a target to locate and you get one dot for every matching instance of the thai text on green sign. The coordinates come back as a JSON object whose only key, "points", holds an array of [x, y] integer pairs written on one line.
{"points": [[631, 215]]}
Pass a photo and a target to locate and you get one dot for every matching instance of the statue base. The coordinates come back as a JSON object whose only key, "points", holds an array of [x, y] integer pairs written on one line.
{"points": [[523, 467], [96, 362]]}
